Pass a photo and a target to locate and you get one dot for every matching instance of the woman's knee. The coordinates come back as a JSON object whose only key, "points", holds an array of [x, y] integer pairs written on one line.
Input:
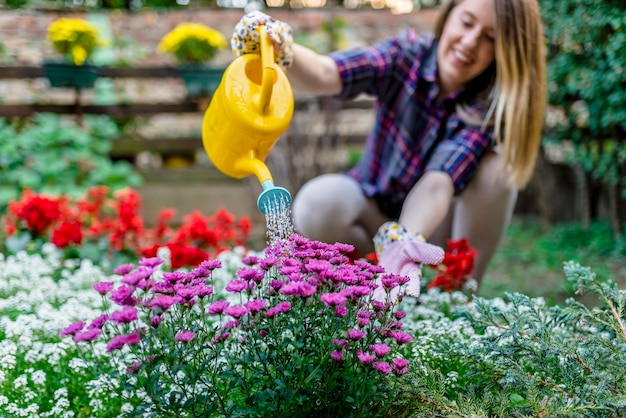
{"points": [[325, 203]]}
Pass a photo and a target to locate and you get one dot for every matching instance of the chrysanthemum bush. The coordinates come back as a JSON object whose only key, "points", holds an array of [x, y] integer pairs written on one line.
{"points": [[301, 337], [469, 357]]}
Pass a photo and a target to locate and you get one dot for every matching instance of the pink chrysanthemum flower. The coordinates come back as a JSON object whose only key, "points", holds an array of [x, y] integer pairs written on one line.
{"points": [[333, 299], [125, 315], [236, 311], [120, 341], [151, 262], [89, 335], [236, 286], [336, 355], [218, 307], [184, 336], [341, 311], [380, 349], [255, 305], [365, 358], [123, 269], [103, 287], [72, 328], [355, 334], [211, 264], [382, 367], [249, 273], [400, 337]]}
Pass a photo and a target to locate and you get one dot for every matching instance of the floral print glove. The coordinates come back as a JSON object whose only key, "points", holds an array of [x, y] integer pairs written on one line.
{"points": [[402, 253], [246, 37]]}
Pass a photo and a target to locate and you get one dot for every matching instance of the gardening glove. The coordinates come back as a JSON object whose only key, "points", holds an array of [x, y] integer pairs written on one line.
{"points": [[246, 37], [402, 253]]}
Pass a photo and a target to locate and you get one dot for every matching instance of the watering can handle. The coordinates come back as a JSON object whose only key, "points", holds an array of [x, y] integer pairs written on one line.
{"points": [[269, 69]]}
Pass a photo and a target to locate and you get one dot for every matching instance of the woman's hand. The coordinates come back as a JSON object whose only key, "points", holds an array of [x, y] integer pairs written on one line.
{"points": [[246, 37]]}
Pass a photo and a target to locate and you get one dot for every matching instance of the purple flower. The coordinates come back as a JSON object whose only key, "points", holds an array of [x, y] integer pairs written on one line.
{"points": [[236, 286], [341, 311], [267, 263], [382, 367], [155, 321], [336, 355], [332, 299], [400, 337], [400, 362], [163, 302], [255, 305], [365, 358], [184, 292], [341, 343], [302, 289], [380, 350], [89, 335], [123, 269], [72, 328], [99, 322], [103, 287], [355, 334], [249, 273], [236, 311], [123, 295], [400, 314], [218, 307], [284, 307], [263, 333], [200, 273], [138, 275], [362, 321], [151, 262], [174, 276], [134, 368], [203, 290], [210, 264], [184, 336], [125, 315], [250, 260], [120, 341]]}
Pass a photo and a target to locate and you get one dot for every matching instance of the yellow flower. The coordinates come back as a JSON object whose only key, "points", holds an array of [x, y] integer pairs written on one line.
{"points": [[75, 39], [192, 42]]}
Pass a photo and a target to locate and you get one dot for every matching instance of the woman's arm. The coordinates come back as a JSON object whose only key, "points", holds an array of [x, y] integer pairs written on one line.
{"points": [[313, 73]]}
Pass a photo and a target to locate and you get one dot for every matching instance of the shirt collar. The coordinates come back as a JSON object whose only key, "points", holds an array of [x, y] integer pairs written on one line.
{"points": [[428, 69]]}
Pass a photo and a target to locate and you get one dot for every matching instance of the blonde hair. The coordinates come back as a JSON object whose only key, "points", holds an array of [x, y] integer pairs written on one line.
{"points": [[515, 86]]}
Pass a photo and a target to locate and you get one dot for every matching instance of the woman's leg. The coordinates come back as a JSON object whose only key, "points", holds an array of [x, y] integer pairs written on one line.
{"points": [[332, 208], [481, 214]]}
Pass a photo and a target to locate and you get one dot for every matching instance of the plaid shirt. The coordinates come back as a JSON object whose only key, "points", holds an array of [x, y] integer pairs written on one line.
{"points": [[414, 132]]}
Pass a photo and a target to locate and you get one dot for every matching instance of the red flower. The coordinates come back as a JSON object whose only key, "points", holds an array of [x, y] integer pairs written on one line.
{"points": [[456, 267], [38, 212], [66, 234]]}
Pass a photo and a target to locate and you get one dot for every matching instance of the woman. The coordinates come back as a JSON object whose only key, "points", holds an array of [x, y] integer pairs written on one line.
{"points": [[459, 115]]}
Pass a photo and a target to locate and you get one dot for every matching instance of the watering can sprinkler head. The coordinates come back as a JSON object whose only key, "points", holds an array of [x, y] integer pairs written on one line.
{"points": [[273, 199]]}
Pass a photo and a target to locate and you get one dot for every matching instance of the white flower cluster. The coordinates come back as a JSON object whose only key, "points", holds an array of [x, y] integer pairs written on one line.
{"points": [[38, 297]]}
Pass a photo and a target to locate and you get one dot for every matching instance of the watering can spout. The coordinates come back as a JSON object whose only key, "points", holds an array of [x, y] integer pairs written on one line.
{"points": [[249, 111]]}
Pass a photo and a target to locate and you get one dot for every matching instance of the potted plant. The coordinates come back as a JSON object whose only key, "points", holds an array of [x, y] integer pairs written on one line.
{"points": [[76, 40], [194, 46]]}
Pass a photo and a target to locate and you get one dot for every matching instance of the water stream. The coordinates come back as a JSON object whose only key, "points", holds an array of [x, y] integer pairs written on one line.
{"points": [[278, 223]]}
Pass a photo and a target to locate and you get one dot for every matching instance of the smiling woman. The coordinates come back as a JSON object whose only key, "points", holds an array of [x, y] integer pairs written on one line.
{"points": [[458, 121]]}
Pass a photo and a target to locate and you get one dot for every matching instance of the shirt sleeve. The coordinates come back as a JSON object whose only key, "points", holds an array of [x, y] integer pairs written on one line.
{"points": [[370, 70], [460, 154]]}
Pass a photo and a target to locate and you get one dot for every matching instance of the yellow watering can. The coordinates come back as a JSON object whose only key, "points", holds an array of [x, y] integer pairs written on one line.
{"points": [[250, 110]]}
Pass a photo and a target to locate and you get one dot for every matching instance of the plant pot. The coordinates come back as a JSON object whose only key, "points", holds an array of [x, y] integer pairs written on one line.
{"points": [[201, 79], [62, 74]]}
